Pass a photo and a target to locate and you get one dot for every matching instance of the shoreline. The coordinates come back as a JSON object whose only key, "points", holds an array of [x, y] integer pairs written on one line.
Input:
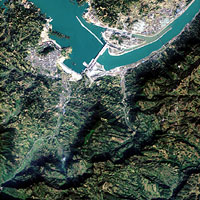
{"points": [[99, 70], [153, 53], [44, 37], [75, 76], [98, 23], [138, 47], [117, 70]]}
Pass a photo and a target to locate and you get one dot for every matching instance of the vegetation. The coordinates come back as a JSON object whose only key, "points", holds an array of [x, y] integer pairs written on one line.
{"points": [[26, 97], [132, 137], [66, 51], [88, 136], [20, 29], [108, 10], [45, 50], [58, 34], [124, 14]]}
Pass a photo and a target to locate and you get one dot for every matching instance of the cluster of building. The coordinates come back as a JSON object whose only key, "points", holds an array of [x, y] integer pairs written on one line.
{"points": [[121, 40]]}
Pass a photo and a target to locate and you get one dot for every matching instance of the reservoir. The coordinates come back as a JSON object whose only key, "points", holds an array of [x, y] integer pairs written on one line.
{"points": [[85, 46]]}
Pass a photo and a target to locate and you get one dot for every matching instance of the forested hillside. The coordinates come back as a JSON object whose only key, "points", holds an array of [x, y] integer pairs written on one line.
{"points": [[133, 136]]}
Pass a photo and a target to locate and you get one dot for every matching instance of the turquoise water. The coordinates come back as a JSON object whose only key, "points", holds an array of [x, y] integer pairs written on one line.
{"points": [[111, 62], [85, 46]]}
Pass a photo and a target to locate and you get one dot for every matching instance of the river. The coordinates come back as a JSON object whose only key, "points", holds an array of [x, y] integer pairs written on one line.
{"points": [[85, 46], [177, 26]]}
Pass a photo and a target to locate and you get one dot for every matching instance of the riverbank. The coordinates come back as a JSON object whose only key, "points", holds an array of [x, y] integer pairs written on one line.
{"points": [[91, 17], [153, 56], [44, 37], [86, 47], [136, 47], [74, 75], [177, 26], [118, 49], [98, 70]]}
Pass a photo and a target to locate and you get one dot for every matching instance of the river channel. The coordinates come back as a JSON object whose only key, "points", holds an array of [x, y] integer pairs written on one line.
{"points": [[85, 46]]}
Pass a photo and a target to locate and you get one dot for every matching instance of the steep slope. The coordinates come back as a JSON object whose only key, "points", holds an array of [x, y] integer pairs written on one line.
{"points": [[134, 136]]}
